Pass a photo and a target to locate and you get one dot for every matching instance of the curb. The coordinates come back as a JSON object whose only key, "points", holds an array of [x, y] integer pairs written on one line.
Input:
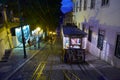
{"points": [[9, 76]]}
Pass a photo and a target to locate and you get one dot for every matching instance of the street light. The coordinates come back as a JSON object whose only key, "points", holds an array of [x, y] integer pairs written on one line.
{"points": [[21, 21], [38, 28]]}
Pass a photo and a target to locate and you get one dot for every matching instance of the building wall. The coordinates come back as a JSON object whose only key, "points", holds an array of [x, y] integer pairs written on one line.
{"points": [[106, 18], [67, 18], [5, 34], [1, 48], [5, 41]]}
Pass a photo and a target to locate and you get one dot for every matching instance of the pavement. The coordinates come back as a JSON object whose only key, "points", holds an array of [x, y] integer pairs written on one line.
{"points": [[17, 60], [107, 71]]}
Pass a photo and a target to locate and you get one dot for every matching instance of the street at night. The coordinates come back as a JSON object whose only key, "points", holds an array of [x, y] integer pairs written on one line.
{"points": [[46, 64], [59, 40]]}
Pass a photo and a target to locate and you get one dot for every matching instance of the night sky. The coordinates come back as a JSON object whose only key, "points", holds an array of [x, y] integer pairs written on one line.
{"points": [[66, 6]]}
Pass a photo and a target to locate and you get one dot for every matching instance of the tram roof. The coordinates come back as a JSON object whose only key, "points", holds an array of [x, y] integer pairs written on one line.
{"points": [[73, 31]]}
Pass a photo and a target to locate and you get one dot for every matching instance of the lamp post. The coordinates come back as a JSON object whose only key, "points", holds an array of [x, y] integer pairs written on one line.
{"points": [[21, 21]]}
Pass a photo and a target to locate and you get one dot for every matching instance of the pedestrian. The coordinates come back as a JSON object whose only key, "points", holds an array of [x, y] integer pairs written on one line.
{"points": [[29, 43], [39, 40], [34, 42]]}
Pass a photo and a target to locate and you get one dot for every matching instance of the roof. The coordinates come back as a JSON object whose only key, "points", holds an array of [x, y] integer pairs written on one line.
{"points": [[73, 31]]}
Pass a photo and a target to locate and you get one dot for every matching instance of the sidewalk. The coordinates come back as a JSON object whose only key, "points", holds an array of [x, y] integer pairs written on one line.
{"points": [[106, 71], [17, 60]]}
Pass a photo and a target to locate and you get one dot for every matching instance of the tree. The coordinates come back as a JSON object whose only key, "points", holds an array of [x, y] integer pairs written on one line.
{"points": [[39, 12]]}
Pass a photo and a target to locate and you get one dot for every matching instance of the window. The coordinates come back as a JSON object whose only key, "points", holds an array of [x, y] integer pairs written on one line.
{"points": [[117, 49], [76, 6], [92, 6], [85, 4], [105, 2], [90, 35], [83, 27], [80, 4], [75, 43], [101, 34]]}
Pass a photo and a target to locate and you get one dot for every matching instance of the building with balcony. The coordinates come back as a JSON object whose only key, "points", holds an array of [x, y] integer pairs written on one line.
{"points": [[101, 20]]}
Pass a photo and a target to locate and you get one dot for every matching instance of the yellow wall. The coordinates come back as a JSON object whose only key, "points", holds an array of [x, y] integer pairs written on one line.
{"points": [[5, 41]]}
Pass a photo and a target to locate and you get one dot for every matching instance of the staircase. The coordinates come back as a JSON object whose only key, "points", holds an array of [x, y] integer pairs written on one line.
{"points": [[6, 55]]}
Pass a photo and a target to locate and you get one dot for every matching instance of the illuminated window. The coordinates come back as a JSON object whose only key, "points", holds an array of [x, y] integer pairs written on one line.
{"points": [[85, 4], [92, 6], [117, 49], [105, 2], [101, 34], [90, 35]]}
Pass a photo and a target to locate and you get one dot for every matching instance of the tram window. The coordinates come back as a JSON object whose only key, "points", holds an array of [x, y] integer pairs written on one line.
{"points": [[117, 49], [75, 42], [66, 42]]}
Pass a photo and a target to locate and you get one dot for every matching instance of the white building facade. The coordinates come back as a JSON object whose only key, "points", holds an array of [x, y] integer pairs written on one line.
{"points": [[101, 20]]}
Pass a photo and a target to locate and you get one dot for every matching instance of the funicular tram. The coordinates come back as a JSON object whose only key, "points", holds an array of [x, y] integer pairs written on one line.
{"points": [[73, 50]]}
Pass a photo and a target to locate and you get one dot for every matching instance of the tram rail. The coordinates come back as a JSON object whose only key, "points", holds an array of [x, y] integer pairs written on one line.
{"points": [[70, 74], [38, 71], [50, 70], [52, 59]]}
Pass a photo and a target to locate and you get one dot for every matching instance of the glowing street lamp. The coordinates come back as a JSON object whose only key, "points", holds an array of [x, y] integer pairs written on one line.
{"points": [[38, 29], [50, 32], [54, 33]]}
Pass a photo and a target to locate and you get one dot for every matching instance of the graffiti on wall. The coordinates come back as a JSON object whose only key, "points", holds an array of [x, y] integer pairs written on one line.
{"points": [[26, 31]]}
